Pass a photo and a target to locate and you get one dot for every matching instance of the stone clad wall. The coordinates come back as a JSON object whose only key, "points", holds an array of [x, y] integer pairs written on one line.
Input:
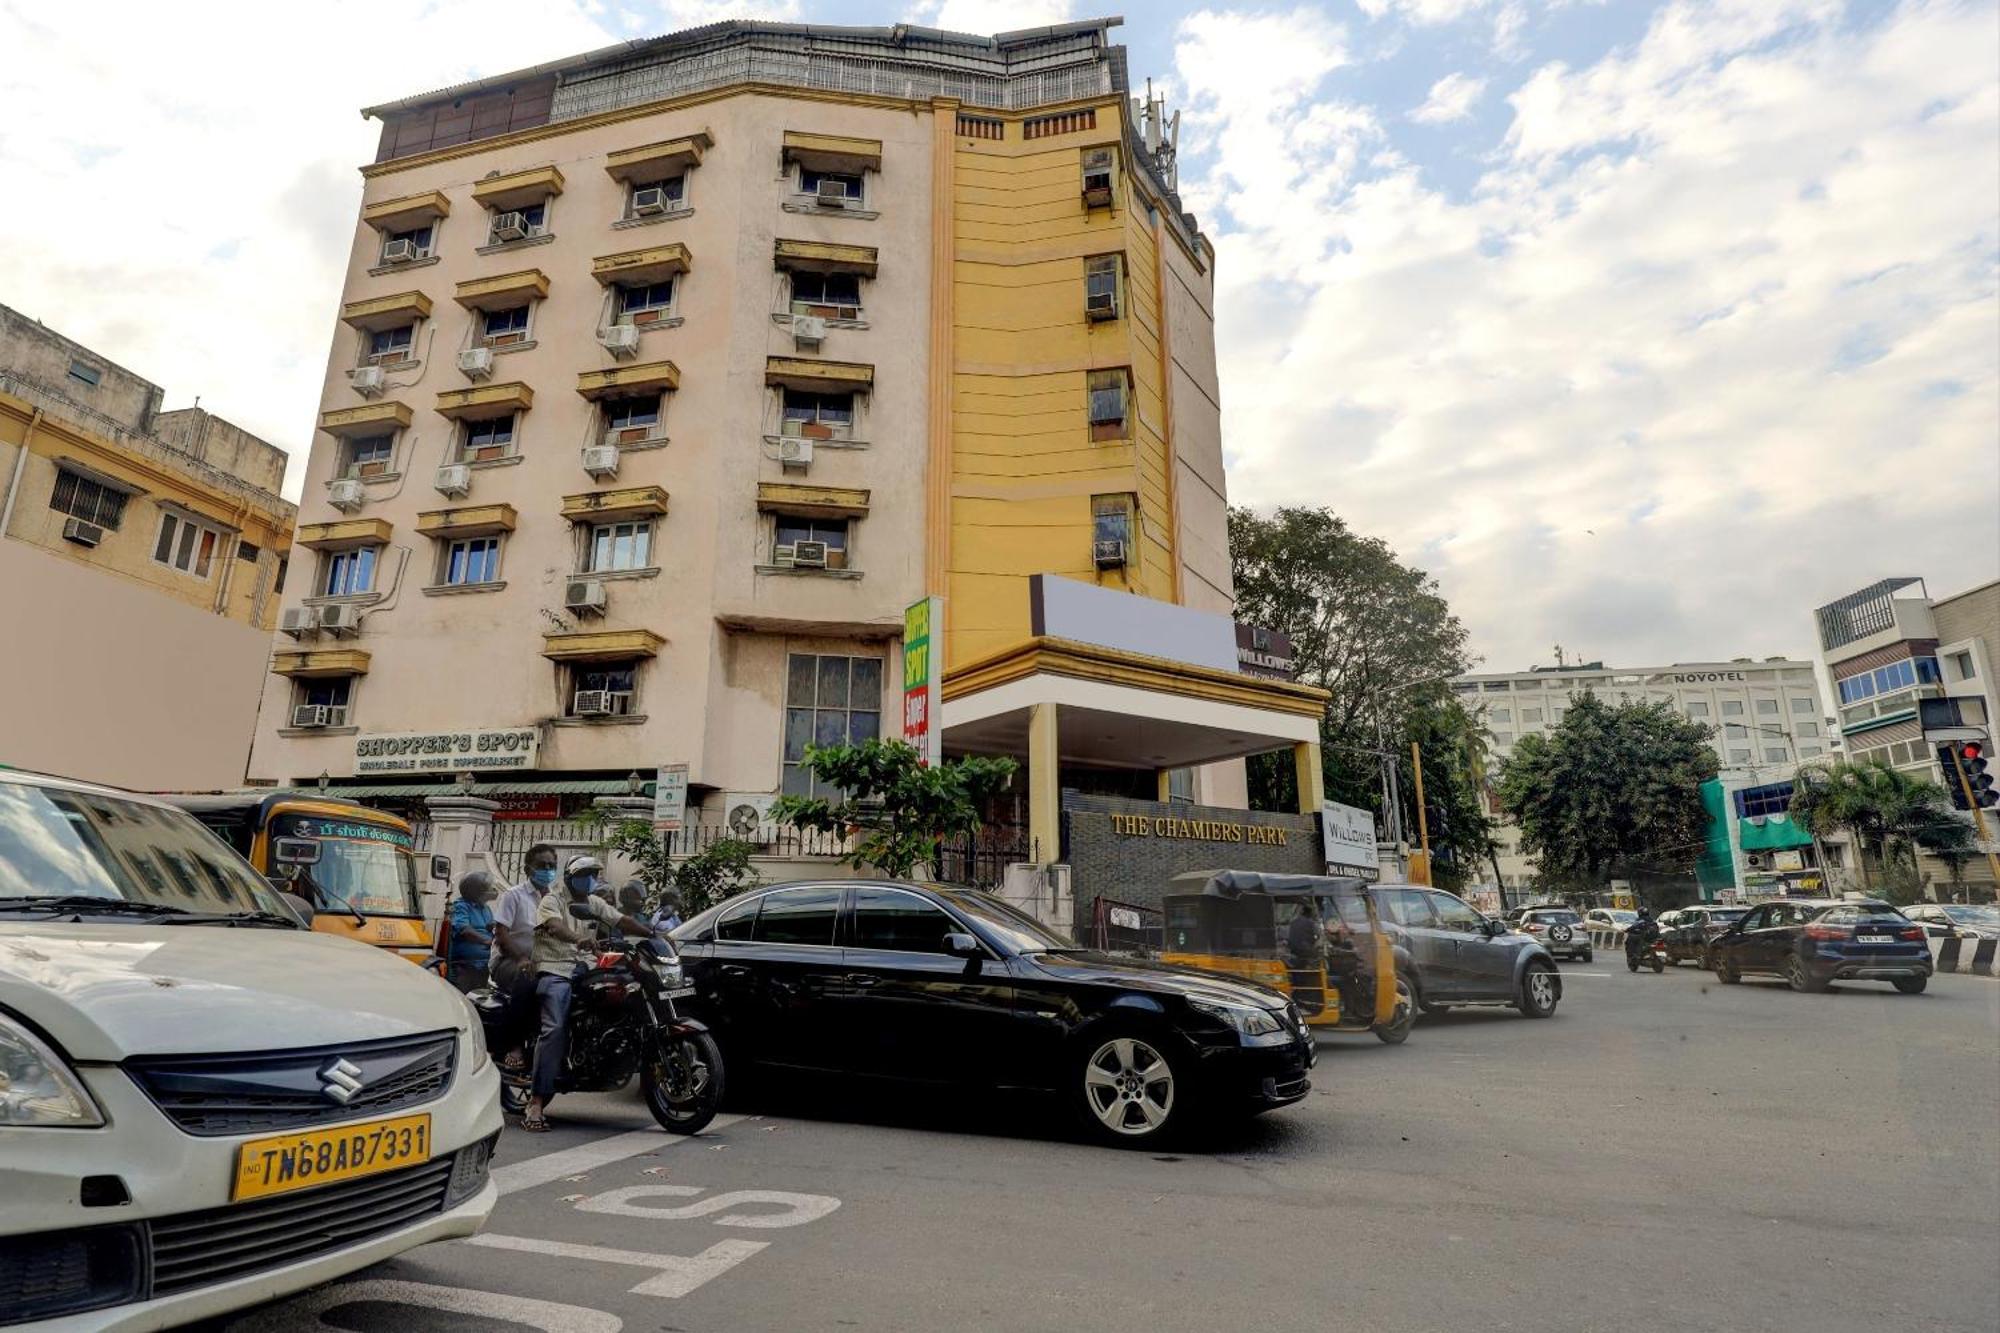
{"points": [[1128, 850]]}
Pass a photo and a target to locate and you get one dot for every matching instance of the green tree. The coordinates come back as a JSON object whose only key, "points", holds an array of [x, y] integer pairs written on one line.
{"points": [[1379, 637], [1610, 792], [720, 870], [901, 809], [1886, 814]]}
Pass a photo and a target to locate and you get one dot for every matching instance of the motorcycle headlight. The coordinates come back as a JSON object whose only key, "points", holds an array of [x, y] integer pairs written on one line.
{"points": [[1251, 1023], [38, 1089], [671, 975], [475, 1038]]}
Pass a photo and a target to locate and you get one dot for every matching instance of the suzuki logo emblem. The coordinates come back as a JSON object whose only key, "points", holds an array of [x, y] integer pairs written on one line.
{"points": [[340, 1081]]}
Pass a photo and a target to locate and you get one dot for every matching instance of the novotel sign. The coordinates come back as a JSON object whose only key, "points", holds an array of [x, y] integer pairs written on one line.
{"points": [[1707, 677]]}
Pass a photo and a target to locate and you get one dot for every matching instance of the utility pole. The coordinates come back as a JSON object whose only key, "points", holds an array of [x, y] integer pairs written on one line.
{"points": [[1423, 822]]}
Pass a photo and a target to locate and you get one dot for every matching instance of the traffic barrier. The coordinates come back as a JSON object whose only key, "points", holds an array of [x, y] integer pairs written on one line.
{"points": [[1966, 955], [1606, 939]]}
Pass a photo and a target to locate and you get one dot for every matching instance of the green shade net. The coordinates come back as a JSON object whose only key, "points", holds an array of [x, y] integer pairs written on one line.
{"points": [[1776, 833], [1714, 868]]}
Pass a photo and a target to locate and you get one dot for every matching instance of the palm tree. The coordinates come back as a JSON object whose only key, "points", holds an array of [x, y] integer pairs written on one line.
{"points": [[1879, 806]]}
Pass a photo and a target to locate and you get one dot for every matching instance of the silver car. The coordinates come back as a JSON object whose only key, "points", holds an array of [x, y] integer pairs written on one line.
{"points": [[1561, 931]]}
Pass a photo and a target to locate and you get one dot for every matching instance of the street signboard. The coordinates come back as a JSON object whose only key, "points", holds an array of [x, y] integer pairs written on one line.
{"points": [[923, 671], [476, 750], [1349, 836], [670, 797]]}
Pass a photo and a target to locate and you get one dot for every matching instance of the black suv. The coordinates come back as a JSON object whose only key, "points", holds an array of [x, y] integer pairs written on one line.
{"points": [[1460, 956], [1812, 942], [927, 984], [1688, 932]]}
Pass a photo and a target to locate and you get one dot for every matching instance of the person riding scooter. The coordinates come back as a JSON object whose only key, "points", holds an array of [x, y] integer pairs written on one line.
{"points": [[562, 930], [1639, 937]]}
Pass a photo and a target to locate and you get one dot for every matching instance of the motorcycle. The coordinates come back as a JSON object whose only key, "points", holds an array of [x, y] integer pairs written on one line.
{"points": [[1645, 945], [623, 1020]]}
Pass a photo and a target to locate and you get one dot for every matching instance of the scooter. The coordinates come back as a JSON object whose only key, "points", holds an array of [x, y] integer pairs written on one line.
{"points": [[1646, 946]]}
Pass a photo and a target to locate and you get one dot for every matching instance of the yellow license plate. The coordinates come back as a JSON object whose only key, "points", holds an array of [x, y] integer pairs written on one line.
{"points": [[286, 1162]]}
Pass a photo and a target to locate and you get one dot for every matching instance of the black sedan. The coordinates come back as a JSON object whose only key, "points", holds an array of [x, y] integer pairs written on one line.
{"points": [[925, 984], [1810, 943], [1688, 932]]}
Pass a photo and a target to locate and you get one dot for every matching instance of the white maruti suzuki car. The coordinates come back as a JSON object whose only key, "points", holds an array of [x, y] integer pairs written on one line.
{"points": [[204, 1104]]}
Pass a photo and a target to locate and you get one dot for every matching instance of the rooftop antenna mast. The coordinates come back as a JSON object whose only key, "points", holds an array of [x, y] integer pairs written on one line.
{"points": [[1160, 133]]}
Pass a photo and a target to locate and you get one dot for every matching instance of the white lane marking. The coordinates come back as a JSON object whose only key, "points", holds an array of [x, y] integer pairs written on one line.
{"points": [[551, 1167], [1567, 973], [799, 1208], [674, 1274], [303, 1313]]}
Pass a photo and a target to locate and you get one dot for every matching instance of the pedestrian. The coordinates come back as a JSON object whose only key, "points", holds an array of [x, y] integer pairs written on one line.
{"points": [[560, 934], [472, 930], [512, 961]]}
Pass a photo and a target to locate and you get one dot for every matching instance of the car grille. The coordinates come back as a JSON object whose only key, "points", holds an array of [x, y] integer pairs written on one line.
{"points": [[198, 1249], [274, 1090]]}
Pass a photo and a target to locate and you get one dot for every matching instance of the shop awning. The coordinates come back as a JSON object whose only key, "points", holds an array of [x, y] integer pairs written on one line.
{"points": [[1771, 833]]}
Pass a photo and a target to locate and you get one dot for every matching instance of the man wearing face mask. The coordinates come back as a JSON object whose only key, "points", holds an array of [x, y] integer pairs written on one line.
{"points": [[513, 944], [562, 930]]}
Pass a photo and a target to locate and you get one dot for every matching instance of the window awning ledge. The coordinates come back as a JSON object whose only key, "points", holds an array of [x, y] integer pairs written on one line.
{"points": [[776, 497], [652, 377], [657, 161], [833, 152], [610, 506], [485, 401], [797, 372], [601, 645], [653, 264], [343, 534], [518, 189], [319, 663], [825, 257], [386, 312], [407, 212], [502, 291], [367, 419], [466, 521]]}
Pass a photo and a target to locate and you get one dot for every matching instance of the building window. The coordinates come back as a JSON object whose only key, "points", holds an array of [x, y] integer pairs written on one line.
{"points": [[85, 373], [1100, 287], [391, 344], [1735, 731], [1767, 707], [1556, 715], [819, 416], [1503, 715], [1773, 799], [248, 551], [1732, 708], [1110, 396], [1774, 754], [1802, 704], [829, 700], [80, 497], [809, 543], [349, 573], [646, 198], [615, 546], [1961, 666], [830, 185], [333, 694], [646, 303], [400, 247], [1111, 530], [1098, 164], [1697, 708], [488, 440], [518, 224], [1808, 751], [1180, 785], [827, 295], [1503, 738], [1903, 675], [631, 420], [1531, 715], [502, 328], [602, 689], [369, 456], [1739, 756], [186, 545], [471, 560]]}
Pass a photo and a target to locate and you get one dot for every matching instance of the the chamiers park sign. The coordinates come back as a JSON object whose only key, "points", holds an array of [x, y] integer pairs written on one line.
{"points": [[1198, 830], [448, 751]]}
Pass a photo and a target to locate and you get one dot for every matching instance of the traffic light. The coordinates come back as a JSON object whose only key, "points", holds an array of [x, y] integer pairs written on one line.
{"points": [[1970, 757]]}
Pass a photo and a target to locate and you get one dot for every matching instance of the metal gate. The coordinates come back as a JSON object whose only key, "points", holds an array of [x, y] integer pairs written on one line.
{"points": [[1116, 927]]}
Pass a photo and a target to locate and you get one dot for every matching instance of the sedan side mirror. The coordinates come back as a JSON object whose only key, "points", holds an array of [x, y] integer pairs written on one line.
{"points": [[961, 945]]}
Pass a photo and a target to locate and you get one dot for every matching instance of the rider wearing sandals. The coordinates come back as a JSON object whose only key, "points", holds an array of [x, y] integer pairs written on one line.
{"points": [[561, 933]]}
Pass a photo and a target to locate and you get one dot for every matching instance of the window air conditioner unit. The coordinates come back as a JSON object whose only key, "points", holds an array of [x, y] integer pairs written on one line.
{"points": [[1100, 306], [82, 533], [340, 619], [593, 703], [399, 252], [600, 460], [311, 715], [509, 226], [808, 332], [368, 381], [584, 596], [649, 201], [832, 194], [300, 622], [454, 479], [809, 555], [1108, 554], [346, 495], [795, 452], [621, 340], [476, 362]]}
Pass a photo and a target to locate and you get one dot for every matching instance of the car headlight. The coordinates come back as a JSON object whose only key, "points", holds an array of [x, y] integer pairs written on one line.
{"points": [[38, 1089], [475, 1037], [1249, 1021]]}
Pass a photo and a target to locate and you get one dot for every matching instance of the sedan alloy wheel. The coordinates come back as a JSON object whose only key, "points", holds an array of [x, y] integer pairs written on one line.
{"points": [[1129, 1086]]}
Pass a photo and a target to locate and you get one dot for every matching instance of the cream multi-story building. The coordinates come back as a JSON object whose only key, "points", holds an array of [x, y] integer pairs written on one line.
{"points": [[1766, 716], [147, 551], [668, 376]]}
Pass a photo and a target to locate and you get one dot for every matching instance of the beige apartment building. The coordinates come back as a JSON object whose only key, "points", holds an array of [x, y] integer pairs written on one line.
{"points": [[668, 376], [148, 550]]}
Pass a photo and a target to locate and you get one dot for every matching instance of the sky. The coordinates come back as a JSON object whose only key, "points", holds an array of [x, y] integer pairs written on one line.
{"points": [[1644, 327]]}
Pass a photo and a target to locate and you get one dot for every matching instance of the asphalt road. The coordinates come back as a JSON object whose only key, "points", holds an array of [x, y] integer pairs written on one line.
{"points": [[1666, 1153]]}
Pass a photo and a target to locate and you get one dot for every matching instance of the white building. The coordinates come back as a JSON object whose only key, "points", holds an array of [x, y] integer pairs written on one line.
{"points": [[1766, 716]]}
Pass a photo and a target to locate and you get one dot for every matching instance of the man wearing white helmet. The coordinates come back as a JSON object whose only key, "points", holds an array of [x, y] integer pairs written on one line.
{"points": [[560, 934]]}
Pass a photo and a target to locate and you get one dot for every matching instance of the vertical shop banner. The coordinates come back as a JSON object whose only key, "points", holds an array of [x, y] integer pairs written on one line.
{"points": [[670, 797], [923, 671]]}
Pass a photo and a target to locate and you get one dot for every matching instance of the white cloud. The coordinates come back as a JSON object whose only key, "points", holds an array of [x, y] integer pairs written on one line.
{"points": [[183, 198], [1451, 99], [986, 17], [1426, 13], [1716, 338]]}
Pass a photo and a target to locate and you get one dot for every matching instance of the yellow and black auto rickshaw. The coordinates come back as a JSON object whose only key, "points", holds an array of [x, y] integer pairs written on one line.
{"points": [[355, 867], [1235, 921]]}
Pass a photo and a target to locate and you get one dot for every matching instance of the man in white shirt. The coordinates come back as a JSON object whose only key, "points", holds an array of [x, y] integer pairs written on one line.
{"points": [[513, 945]]}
